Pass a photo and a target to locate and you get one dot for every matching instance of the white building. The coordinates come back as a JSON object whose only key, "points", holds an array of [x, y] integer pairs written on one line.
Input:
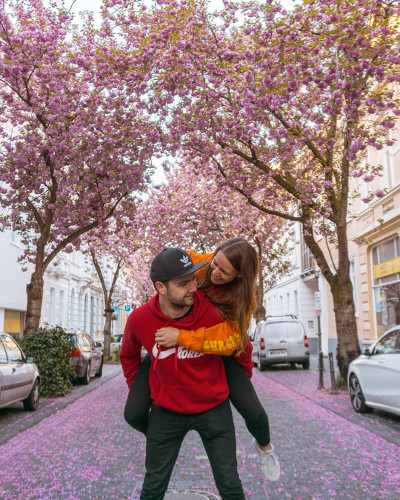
{"points": [[295, 294], [72, 295]]}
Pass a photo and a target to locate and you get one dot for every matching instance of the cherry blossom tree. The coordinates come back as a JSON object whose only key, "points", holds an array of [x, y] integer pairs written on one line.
{"points": [[283, 103], [196, 212], [75, 142]]}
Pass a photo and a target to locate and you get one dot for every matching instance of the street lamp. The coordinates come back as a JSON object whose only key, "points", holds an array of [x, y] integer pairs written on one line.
{"points": [[318, 310]]}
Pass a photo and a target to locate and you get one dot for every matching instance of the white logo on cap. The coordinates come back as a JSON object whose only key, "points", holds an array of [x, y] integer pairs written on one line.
{"points": [[185, 260]]}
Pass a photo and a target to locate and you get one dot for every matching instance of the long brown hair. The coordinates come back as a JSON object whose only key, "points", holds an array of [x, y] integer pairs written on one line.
{"points": [[235, 299]]}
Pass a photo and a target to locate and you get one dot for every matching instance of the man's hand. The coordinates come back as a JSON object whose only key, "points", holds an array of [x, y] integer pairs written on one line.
{"points": [[167, 337]]}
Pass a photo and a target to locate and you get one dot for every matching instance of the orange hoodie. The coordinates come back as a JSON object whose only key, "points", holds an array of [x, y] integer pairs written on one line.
{"points": [[220, 339]]}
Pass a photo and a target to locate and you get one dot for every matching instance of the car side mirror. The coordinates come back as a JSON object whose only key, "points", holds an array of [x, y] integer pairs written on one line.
{"points": [[29, 360], [367, 351]]}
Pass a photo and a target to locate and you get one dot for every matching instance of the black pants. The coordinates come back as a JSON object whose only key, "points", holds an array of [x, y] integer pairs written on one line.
{"points": [[165, 433], [242, 395]]}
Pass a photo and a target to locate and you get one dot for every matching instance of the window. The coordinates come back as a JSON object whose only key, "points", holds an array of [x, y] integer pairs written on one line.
{"points": [[13, 351], [294, 331], [388, 344], [296, 303], [275, 330], [62, 300], [3, 355], [354, 283], [12, 321], [52, 307], [386, 280], [14, 237]]}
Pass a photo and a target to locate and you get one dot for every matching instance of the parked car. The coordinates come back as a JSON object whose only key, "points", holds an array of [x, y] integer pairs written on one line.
{"points": [[374, 377], [115, 345], [19, 376], [280, 340], [86, 358]]}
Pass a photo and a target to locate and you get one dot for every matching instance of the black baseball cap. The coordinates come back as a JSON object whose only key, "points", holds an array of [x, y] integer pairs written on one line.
{"points": [[172, 263]]}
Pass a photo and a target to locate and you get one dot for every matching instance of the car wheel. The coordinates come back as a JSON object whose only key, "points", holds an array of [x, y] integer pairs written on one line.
{"points": [[306, 365], [263, 366], [357, 396], [256, 360], [100, 372], [31, 403], [86, 376]]}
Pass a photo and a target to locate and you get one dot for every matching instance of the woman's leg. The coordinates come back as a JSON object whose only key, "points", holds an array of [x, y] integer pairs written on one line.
{"points": [[245, 400], [138, 403]]}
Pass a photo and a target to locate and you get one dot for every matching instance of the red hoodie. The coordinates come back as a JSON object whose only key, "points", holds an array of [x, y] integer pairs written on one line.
{"points": [[181, 381]]}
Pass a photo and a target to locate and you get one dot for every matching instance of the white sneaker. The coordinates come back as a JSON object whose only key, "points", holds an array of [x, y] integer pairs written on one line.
{"points": [[269, 461]]}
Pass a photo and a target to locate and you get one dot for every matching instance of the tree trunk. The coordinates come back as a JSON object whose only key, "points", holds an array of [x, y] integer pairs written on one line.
{"points": [[34, 292], [107, 331], [259, 311], [346, 326], [342, 294]]}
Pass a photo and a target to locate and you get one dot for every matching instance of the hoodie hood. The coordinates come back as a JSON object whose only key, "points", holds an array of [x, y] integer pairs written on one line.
{"points": [[198, 313]]}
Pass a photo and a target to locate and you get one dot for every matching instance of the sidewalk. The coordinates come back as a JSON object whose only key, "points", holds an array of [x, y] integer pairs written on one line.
{"points": [[305, 383], [13, 419]]}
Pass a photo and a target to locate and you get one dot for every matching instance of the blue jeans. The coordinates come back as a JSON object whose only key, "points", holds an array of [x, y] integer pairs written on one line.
{"points": [[165, 433]]}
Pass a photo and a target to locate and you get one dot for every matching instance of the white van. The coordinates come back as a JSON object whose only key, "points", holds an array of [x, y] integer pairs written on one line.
{"points": [[280, 340]]}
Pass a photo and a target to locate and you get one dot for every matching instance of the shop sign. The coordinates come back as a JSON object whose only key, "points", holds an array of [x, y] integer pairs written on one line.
{"points": [[387, 268]]}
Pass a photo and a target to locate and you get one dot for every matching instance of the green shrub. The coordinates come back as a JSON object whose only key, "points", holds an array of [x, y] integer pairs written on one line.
{"points": [[116, 356], [50, 348]]}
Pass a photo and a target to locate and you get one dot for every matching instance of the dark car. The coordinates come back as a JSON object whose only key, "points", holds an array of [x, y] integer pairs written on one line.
{"points": [[19, 376], [86, 358]]}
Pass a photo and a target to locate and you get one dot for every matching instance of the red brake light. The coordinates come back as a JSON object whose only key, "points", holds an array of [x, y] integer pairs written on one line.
{"points": [[306, 341], [76, 353], [262, 343]]}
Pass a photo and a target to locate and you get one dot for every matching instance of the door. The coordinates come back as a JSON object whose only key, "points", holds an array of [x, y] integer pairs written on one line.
{"points": [[382, 374], [5, 377], [95, 356], [22, 375], [295, 338], [275, 336]]}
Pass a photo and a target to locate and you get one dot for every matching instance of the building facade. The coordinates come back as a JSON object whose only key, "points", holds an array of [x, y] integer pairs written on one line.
{"points": [[374, 254], [72, 295]]}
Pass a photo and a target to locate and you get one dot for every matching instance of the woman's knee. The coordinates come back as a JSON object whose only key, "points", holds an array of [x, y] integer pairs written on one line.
{"points": [[137, 418]]}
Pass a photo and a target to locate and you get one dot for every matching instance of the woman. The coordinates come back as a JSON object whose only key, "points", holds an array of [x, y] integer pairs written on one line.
{"points": [[228, 281]]}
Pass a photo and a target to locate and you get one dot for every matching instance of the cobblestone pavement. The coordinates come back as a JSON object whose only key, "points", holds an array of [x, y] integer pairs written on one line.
{"points": [[86, 451]]}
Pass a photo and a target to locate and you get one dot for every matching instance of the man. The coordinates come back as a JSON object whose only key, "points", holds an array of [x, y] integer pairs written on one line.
{"points": [[188, 389]]}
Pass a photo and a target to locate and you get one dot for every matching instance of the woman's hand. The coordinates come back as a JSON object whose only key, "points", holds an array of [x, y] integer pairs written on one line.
{"points": [[167, 337]]}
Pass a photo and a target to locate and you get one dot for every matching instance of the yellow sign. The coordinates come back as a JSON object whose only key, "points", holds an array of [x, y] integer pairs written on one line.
{"points": [[387, 268]]}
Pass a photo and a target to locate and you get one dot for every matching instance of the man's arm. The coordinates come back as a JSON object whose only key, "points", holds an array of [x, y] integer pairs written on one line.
{"points": [[130, 353]]}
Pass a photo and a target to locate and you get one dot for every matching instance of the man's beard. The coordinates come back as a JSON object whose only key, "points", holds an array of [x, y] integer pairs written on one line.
{"points": [[179, 303]]}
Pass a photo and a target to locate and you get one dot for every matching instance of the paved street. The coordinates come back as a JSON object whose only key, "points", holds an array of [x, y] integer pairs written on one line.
{"points": [[86, 451]]}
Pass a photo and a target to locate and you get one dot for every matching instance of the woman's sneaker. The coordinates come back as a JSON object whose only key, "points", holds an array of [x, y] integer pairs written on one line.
{"points": [[269, 461]]}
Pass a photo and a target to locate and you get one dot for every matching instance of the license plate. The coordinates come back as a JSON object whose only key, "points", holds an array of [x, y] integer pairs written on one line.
{"points": [[278, 352]]}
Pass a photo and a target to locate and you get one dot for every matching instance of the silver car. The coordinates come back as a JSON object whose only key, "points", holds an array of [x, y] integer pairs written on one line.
{"points": [[374, 377], [19, 376], [86, 359], [280, 340]]}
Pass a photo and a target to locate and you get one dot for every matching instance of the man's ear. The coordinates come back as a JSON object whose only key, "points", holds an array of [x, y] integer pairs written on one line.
{"points": [[160, 287]]}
